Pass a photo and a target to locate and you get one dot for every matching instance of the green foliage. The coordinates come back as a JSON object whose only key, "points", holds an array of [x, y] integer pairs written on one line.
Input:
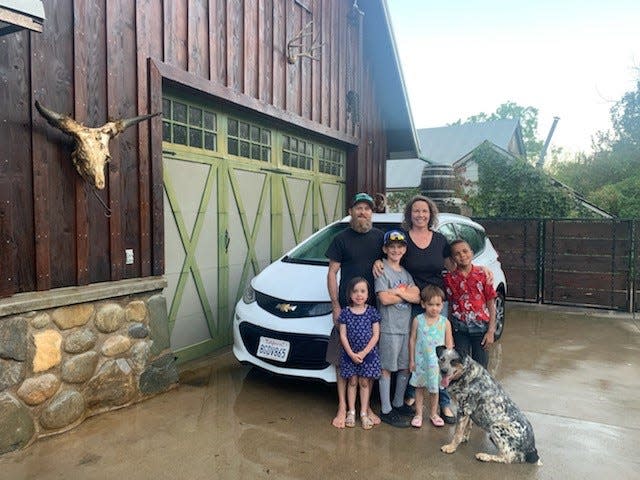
{"points": [[528, 121], [397, 200], [510, 187], [621, 199], [610, 177]]}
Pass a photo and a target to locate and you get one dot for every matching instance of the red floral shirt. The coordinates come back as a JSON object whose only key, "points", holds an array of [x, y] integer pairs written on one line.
{"points": [[468, 296]]}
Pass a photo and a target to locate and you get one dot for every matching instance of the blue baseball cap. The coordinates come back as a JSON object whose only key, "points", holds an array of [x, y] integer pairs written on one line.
{"points": [[394, 236]]}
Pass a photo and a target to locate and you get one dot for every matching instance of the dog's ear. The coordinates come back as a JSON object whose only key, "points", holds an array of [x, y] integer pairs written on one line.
{"points": [[439, 350], [461, 353]]}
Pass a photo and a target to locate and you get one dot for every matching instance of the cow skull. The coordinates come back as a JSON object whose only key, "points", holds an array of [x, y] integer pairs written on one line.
{"points": [[91, 152]]}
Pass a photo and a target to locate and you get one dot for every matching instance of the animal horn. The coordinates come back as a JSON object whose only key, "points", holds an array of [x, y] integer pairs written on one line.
{"points": [[57, 120], [129, 122]]}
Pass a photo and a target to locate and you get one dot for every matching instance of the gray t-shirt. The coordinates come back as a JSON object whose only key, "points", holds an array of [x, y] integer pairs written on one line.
{"points": [[395, 318]]}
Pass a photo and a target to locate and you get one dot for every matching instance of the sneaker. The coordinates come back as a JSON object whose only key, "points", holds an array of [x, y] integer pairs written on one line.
{"points": [[394, 419], [405, 410]]}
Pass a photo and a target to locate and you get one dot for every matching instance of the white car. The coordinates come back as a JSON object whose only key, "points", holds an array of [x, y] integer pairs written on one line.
{"points": [[283, 321]]}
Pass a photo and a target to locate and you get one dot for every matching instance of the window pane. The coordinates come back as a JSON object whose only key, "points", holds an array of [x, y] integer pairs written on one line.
{"points": [[166, 131], [255, 152], [285, 142], [255, 134], [294, 144], [266, 137], [209, 121], [232, 127], [195, 117], [210, 141], [195, 137], [180, 112], [244, 149], [244, 130], [266, 154], [166, 108], [180, 134], [232, 146]]}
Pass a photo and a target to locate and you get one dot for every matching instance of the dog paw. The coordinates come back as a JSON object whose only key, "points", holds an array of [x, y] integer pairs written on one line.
{"points": [[486, 457], [448, 448]]}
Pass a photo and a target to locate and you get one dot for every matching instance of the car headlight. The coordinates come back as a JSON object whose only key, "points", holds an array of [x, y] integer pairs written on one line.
{"points": [[249, 295]]}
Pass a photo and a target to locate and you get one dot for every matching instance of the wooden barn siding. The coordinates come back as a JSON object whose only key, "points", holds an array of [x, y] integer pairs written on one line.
{"points": [[92, 61]]}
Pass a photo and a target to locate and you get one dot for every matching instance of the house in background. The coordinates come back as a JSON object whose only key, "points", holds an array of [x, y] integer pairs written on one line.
{"points": [[446, 167], [446, 158]]}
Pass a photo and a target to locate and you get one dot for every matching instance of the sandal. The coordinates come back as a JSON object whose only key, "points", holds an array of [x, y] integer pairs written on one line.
{"points": [[350, 420], [436, 420], [367, 423], [416, 421]]}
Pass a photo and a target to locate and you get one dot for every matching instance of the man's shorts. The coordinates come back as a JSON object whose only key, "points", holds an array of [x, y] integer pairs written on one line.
{"points": [[394, 351], [334, 347]]}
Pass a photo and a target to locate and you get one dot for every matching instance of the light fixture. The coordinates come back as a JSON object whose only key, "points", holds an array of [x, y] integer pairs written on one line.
{"points": [[16, 15]]}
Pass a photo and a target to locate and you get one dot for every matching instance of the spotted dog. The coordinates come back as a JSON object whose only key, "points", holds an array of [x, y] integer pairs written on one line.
{"points": [[481, 399]]}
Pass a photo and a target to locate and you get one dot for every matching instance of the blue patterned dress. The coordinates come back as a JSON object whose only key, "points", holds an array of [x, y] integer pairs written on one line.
{"points": [[359, 333], [427, 372]]}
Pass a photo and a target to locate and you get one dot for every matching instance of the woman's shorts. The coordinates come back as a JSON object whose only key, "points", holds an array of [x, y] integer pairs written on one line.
{"points": [[394, 351]]}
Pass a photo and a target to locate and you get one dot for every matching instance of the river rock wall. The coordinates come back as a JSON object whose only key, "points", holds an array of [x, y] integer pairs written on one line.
{"points": [[59, 366]]}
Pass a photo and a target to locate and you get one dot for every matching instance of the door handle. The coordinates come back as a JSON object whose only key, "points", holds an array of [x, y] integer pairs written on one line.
{"points": [[227, 241]]}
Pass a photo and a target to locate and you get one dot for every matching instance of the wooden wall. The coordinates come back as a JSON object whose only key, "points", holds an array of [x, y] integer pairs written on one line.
{"points": [[92, 61]]}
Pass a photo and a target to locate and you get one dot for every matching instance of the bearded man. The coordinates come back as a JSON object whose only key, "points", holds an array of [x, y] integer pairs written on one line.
{"points": [[352, 253]]}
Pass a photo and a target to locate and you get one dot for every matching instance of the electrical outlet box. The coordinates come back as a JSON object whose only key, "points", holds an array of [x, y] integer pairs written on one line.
{"points": [[128, 256]]}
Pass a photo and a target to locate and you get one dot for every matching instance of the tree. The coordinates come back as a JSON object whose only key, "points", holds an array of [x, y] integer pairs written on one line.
{"points": [[511, 187], [610, 176], [528, 121]]}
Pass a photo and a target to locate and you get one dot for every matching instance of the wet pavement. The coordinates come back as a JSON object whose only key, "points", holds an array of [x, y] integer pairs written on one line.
{"points": [[575, 373]]}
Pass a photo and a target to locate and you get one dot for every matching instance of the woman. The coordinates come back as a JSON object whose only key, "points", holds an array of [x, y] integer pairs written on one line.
{"points": [[428, 255]]}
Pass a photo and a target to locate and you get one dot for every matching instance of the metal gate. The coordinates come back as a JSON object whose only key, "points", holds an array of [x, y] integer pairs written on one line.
{"points": [[592, 263]]}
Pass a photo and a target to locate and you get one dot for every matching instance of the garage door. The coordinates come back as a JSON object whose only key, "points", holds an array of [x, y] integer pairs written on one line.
{"points": [[238, 193]]}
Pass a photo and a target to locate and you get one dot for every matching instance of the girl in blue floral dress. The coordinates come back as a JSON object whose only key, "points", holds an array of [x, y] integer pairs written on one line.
{"points": [[360, 363], [428, 330]]}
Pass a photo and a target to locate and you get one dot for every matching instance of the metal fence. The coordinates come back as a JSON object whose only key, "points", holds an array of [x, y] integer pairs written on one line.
{"points": [[592, 263]]}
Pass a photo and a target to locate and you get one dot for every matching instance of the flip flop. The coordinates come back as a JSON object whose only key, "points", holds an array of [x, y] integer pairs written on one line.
{"points": [[436, 420], [416, 421]]}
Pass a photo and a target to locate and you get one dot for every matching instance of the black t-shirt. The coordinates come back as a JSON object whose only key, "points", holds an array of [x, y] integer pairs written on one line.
{"points": [[427, 264], [356, 253]]}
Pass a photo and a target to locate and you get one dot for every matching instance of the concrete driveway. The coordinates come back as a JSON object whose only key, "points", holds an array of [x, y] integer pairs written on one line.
{"points": [[575, 373]]}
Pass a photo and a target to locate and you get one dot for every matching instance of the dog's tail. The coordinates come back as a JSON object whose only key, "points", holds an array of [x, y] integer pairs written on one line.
{"points": [[532, 457]]}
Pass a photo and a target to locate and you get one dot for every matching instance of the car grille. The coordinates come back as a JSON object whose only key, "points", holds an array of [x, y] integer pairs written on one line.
{"points": [[288, 309], [306, 351]]}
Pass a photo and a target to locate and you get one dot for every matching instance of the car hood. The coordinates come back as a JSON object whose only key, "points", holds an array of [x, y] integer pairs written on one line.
{"points": [[292, 281]]}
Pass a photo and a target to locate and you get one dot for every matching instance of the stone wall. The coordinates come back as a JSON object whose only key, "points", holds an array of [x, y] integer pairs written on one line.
{"points": [[62, 364]]}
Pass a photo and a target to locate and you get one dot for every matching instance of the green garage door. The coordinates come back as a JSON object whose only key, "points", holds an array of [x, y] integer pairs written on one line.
{"points": [[238, 194]]}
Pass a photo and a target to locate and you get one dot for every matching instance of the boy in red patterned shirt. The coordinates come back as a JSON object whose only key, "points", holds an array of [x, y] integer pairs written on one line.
{"points": [[472, 303]]}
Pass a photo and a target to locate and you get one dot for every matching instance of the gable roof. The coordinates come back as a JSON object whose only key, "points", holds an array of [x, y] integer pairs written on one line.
{"points": [[381, 50], [446, 145]]}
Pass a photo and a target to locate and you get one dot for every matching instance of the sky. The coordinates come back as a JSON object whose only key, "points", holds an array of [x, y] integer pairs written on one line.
{"points": [[568, 58]]}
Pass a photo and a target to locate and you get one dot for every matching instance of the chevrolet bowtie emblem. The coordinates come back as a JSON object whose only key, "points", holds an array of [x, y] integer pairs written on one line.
{"points": [[286, 307]]}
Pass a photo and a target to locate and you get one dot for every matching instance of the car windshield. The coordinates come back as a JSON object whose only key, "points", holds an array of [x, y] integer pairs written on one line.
{"points": [[313, 251]]}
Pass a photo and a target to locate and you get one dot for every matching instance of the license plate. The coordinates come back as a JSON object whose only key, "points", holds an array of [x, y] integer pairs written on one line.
{"points": [[273, 349]]}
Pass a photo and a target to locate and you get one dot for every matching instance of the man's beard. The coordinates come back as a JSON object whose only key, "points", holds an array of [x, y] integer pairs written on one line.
{"points": [[361, 225]]}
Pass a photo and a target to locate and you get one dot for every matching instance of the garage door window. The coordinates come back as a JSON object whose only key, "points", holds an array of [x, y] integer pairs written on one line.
{"points": [[331, 161], [248, 140], [189, 125], [297, 152]]}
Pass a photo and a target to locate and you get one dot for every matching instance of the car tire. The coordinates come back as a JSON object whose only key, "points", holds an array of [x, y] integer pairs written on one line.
{"points": [[500, 315]]}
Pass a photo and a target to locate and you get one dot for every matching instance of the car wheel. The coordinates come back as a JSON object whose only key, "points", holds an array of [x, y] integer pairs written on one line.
{"points": [[500, 318]]}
